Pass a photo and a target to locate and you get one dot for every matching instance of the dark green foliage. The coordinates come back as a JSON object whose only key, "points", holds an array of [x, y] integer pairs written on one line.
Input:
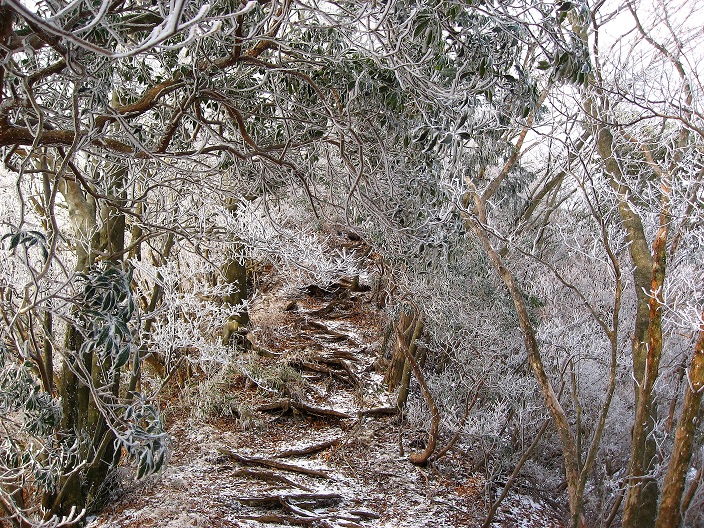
{"points": [[107, 307], [21, 393], [145, 439], [28, 239], [62, 447]]}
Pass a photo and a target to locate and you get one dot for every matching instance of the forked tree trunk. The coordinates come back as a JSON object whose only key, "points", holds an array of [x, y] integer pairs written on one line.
{"points": [[403, 331], [646, 410], [410, 354], [641, 501]]}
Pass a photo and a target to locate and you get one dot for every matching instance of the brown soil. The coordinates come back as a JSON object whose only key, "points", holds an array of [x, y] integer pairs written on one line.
{"points": [[329, 339]]}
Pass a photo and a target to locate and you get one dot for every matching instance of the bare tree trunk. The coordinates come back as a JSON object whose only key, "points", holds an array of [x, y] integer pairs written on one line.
{"points": [[235, 272], [395, 371], [569, 448], [236, 275], [670, 512], [409, 351]]}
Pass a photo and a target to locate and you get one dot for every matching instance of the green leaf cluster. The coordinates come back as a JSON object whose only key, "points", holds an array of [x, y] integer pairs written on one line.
{"points": [[28, 239], [107, 307], [20, 393], [145, 440]]}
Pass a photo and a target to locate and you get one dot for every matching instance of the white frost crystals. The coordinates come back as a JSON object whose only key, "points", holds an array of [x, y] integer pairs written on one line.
{"points": [[170, 26]]}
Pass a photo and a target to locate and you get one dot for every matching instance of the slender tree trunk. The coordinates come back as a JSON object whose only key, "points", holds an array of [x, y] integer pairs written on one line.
{"points": [[47, 321], [569, 448], [670, 512], [408, 349], [396, 368]]}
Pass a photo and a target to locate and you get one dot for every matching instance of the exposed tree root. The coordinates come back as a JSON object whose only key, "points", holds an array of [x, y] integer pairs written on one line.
{"points": [[365, 514], [265, 462], [300, 515], [286, 404], [282, 519], [276, 499], [313, 290], [325, 332], [347, 354], [269, 476], [379, 411], [325, 310], [334, 365], [350, 379], [309, 450]]}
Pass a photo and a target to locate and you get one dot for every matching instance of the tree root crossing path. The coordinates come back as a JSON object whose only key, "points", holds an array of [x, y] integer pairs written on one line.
{"points": [[300, 431]]}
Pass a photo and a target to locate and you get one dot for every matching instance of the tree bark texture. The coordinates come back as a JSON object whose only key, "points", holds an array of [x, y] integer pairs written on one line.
{"points": [[670, 512], [404, 330]]}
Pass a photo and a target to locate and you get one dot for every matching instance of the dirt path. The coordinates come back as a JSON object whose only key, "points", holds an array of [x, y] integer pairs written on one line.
{"points": [[312, 443]]}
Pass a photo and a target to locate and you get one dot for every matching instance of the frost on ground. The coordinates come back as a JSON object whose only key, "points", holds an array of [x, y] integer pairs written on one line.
{"points": [[522, 511], [305, 437]]}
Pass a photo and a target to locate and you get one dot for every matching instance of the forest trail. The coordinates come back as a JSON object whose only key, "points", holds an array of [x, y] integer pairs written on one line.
{"points": [[306, 435]]}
